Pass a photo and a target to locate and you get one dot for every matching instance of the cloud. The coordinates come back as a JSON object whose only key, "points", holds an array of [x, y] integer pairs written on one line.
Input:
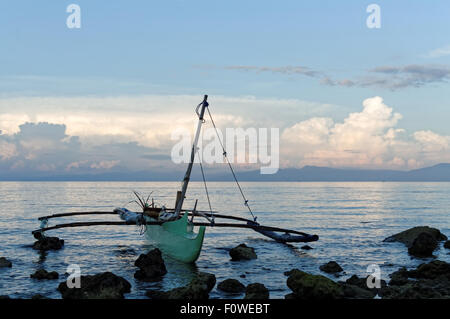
{"points": [[439, 52], [367, 139], [91, 135], [287, 70], [397, 77], [387, 77]]}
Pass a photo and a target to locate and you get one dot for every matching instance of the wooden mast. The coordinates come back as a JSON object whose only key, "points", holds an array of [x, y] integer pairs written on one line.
{"points": [[187, 176]]}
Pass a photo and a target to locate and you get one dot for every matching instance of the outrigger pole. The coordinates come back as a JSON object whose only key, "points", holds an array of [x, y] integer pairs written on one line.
{"points": [[301, 237]]}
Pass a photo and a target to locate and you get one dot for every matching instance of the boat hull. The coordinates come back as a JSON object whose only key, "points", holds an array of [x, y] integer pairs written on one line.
{"points": [[177, 239]]}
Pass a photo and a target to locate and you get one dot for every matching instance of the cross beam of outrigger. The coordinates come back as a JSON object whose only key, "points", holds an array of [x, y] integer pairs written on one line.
{"points": [[268, 231]]}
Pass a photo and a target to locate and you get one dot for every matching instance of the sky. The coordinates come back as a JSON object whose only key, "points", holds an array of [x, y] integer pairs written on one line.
{"points": [[106, 97]]}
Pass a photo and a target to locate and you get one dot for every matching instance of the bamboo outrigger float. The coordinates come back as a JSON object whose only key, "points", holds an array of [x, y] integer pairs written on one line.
{"points": [[171, 229]]}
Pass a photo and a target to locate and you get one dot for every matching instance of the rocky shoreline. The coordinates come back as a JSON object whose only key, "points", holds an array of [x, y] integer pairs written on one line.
{"points": [[430, 280]]}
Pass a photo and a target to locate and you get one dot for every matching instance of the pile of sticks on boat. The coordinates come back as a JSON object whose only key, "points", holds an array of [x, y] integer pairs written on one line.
{"points": [[288, 235]]}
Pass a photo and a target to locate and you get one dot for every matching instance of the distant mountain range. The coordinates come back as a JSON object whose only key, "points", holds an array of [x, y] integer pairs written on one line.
{"points": [[437, 173]]}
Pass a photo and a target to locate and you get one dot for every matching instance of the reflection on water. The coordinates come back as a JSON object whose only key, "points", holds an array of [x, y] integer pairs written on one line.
{"points": [[351, 219]]}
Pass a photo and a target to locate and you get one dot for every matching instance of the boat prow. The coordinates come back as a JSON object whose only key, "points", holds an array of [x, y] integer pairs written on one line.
{"points": [[177, 238]]}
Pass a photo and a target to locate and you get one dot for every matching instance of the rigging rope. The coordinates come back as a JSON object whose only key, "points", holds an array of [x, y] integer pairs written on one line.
{"points": [[231, 167], [206, 187]]}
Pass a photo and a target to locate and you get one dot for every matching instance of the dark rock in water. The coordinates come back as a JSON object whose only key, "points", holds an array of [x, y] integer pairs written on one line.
{"points": [[355, 292], [423, 245], [198, 288], [290, 296], [431, 280], [5, 263], [399, 278], [306, 247], [5, 297], [151, 266], [243, 276], [435, 269], [362, 283], [39, 296], [242, 252], [47, 243], [412, 290], [447, 244], [100, 286], [44, 274], [307, 286], [256, 291], [331, 267], [231, 285], [408, 236]]}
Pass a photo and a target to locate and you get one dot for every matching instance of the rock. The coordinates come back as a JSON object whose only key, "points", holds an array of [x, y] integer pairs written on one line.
{"points": [[243, 276], [435, 269], [423, 245], [399, 278], [198, 288], [362, 283], [44, 274], [5, 263], [306, 247], [355, 292], [151, 266], [412, 290], [100, 286], [231, 286], [242, 252], [307, 286], [256, 291], [39, 296], [431, 280], [47, 243], [331, 267], [447, 244], [408, 236], [5, 297]]}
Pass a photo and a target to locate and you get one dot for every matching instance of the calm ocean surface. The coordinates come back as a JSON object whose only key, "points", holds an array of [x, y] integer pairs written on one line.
{"points": [[351, 219]]}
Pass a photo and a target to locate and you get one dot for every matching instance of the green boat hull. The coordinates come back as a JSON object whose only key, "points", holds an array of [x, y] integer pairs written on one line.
{"points": [[177, 239]]}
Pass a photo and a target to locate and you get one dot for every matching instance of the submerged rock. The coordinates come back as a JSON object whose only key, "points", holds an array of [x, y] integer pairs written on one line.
{"points": [[408, 236], [100, 286], [306, 247], [399, 278], [231, 286], [423, 245], [331, 267], [356, 292], [307, 286], [242, 252], [256, 291], [39, 296], [362, 283], [44, 274], [447, 244], [435, 269], [47, 243], [431, 280], [5, 263], [198, 288], [151, 266]]}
